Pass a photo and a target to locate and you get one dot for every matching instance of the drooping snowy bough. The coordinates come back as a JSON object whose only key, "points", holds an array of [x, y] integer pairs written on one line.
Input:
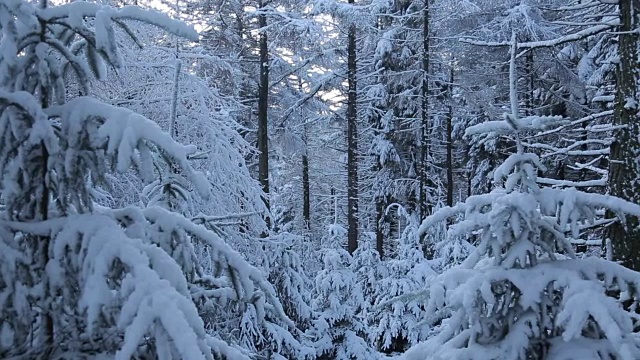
{"points": [[78, 280]]}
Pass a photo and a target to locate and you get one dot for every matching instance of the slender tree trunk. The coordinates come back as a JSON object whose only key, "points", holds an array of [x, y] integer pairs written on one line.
{"points": [[43, 243], [469, 177], [334, 213], [624, 167], [172, 201], [173, 113], [306, 186], [450, 139], [530, 77], [352, 142], [263, 116], [424, 125], [306, 193], [43, 251], [380, 226]]}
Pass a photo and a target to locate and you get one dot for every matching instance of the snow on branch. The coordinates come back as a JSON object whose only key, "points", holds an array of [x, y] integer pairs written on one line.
{"points": [[527, 123], [472, 203], [128, 136], [594, 30], [249, 280], [78, 10], [24, 101], [101, 34], [123, 284]]}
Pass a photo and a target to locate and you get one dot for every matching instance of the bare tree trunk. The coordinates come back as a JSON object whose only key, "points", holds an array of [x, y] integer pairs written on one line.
{"points": [[306, 193], [334, 213], [450, 139], [424, 125], [530, 77], [469, 177], [380, 218], [42, 244], [352, 142], [172, 201], [263, 106], [306, 185], [624, 168]]}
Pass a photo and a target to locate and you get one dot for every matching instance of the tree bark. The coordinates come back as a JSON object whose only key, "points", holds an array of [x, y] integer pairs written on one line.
{"points": [[306, 193], [624, 166], [263, 106], [380, 218], [352, 142], [424, 125], [530, 77], [44, 242], [449, 117]]}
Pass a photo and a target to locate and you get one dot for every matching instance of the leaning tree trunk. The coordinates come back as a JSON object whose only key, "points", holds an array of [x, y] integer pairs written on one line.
{"points": [[624, 168], [352, 142]]}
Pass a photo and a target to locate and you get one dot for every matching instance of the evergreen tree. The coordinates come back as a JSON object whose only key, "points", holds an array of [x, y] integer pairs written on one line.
{"points": [[80, 280], [522, 294], [398, 318], [624, 166], [341, 327]]}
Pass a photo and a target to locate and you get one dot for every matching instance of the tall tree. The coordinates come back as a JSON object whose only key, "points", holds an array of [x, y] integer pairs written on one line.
{"points": [[521, 293], [449, 119], [263, 106], [352, 141], [78, 280], [423, 167], [624, 177]]}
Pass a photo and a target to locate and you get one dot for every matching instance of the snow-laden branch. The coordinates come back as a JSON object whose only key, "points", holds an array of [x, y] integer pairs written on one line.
{"points": [[124, 132], [526, 123], [247, 276], [569, 183], [76, 11], [202, 218], [582, 34]]}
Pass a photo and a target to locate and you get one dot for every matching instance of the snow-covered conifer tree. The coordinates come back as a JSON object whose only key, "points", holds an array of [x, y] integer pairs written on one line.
{"points": [[79, 280], [399, 313], [522, 293], [369, 269], [340, 332]]}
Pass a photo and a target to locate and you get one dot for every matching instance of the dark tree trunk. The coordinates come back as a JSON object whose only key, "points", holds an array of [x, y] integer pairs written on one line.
{"points": [[352, 142], [334, 211], [263, 116], [469, 177], [450, 186], [306, 193], [424, 126], [380, 218], [306, 186], [530, 73], [624, 167], [44, 242]]}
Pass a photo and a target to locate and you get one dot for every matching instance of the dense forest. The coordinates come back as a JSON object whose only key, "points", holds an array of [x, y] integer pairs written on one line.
{"points": [[320, 179]]}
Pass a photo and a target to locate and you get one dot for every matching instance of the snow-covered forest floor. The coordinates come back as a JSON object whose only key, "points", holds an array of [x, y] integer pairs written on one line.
{"points": [[320, 179]]}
